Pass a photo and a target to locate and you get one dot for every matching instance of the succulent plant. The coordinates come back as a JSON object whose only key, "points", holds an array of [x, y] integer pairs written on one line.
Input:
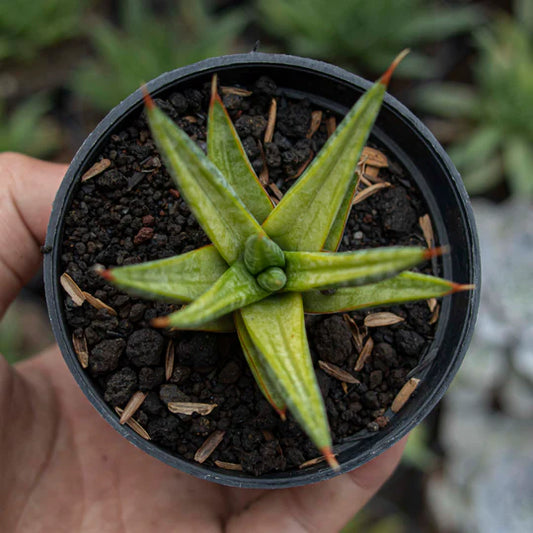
{"points": [[267, 265]]}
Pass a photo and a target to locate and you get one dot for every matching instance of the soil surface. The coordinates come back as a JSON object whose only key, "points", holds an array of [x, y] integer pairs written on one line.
{"points": [[132, 213]]}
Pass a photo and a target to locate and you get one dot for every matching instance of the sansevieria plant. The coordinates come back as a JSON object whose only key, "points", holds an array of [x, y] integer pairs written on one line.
{"points": [[268, 264]]}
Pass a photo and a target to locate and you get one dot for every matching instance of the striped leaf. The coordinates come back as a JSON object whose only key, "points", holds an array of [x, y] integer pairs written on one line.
{"points": [[276, 327], [211, 199], [405, 287], [307, 212], [225, 150], [236, 288], [182, 278], [258, 365], [323, 270]]}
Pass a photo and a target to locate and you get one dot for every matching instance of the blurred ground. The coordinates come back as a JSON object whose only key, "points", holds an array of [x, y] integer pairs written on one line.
{"points": [[65, 63]]}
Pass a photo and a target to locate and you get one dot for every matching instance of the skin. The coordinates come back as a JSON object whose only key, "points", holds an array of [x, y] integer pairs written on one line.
{"points": [[63, 469]]}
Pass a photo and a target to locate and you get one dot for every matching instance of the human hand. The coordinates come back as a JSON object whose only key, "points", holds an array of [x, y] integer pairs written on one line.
{"points": [[64, 469]]}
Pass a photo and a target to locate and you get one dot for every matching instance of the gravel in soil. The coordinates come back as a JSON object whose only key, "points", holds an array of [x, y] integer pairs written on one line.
{"points": [[130, 213]]}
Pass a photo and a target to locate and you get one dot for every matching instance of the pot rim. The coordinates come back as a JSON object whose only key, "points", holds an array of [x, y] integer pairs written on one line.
{"points": [[333, 74]]}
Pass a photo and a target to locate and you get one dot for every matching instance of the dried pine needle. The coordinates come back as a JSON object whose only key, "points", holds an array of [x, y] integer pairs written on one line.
{"points": [[209, 446], [228, 466], [169, 360], [96, 169], [364, 355], [376, 320], [274, 188], [432, 303], [312, 462], [427, 230], [331, 125], [132, 406], [357, 336], [237, 91], [316, 120], [81, 349], [404, 394], [189, 408], [72, 289], [369, 191], [271, 124], [374, 158], [133, 424], [98, 304], [337, 373], [435, 315]]}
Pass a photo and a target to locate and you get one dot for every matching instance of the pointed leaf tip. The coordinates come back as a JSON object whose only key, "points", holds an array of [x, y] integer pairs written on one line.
{"points": [[330, 458], [107, 274], [436, 252], [459, 287], [214, 89], [160, 322], [148, 102], [385, 78]]}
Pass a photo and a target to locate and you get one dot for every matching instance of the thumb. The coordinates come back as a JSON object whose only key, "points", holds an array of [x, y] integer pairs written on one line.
{"points": [[27, 189]]}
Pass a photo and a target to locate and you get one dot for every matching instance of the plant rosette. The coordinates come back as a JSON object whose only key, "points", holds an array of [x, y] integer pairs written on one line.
{"points": [[272, 258]]}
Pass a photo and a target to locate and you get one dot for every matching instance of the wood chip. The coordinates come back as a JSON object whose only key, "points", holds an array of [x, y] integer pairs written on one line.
{"points": [[169, 360], [427, 230], [72, 289], [133, 424], [271, 124], [374, 158], [435, 315], [369, 191], [274, 188], [404, 394], [191, 119], [96, 169], [235, 90], [316, 120], [376, 320], [209, 446], [331, 125], [81, 349], [365, 353], [131, 407], [228, 466], [357, 335], [98, 304], [189, 408], [175, 193], [337, 373], [302, 168], [432, 303], [312, 462]]}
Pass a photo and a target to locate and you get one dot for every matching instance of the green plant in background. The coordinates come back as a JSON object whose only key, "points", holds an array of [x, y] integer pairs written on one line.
{"points": [[498, 111], [363, 34], [267, 264], [27, 26], [26, 128], [145, 45]]}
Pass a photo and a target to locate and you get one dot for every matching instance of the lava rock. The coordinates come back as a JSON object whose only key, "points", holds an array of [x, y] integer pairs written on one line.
{"points": [[198, 350], [120, 387], [409, 342], [105, 355], [396, 210], [333, 340], [150, 378], [145, 347]]}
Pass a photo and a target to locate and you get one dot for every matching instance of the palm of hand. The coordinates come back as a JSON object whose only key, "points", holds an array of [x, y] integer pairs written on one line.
{"points": [[64, 469]]}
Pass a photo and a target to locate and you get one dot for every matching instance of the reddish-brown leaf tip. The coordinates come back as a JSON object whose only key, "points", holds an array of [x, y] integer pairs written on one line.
{"points": [[435, 252], [330, 458], [282, 414], [148, 102], [107, 274], [459, 287], [385, 78], [160, 322], [214, 91]]}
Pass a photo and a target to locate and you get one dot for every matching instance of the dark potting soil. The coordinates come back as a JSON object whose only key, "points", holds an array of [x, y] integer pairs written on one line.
{"points": [[132, 213]]}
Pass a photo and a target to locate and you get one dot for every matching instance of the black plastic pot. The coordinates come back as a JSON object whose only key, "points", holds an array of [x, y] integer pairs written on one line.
{"points": [[417, 150]]}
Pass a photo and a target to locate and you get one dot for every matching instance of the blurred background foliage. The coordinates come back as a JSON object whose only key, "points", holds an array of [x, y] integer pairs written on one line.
{"points": [[65, 63]]}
